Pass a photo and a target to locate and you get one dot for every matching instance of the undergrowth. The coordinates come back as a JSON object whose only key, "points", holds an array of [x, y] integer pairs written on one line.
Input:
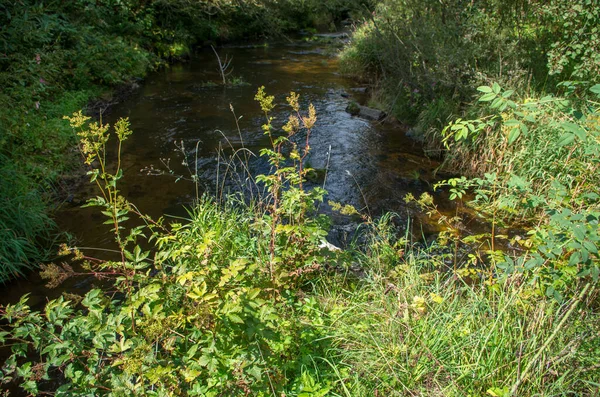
{"points": [[409, 329], [57, 56], [248, 299]]}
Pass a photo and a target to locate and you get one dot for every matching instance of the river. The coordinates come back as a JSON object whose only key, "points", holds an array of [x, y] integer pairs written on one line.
{"points": [[371, 165]]}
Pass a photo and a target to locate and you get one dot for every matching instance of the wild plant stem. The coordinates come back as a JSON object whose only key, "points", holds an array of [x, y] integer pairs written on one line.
{"points": [[546, 344]]}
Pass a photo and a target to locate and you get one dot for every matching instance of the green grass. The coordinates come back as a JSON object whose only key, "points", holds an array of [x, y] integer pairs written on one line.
{"points": [[25, 226], [407, 329], [38, 152]]}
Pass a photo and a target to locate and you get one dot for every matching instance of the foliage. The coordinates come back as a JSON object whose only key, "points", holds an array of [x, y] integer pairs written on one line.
{"points": [[213, 310], [243, 300], [540, 158], [573, 28], [408, 329], [526, 140], [56, 56], [420, 51]]}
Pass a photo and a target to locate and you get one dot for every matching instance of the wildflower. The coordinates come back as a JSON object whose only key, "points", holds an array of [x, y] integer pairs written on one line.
{"points": [[436, 298], [419, 305], [292, 126], [38, 59], [310, 121], [42, 81]]}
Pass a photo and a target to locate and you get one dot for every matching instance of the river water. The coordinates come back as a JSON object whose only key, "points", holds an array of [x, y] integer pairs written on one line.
{"points": [[367, 164]]}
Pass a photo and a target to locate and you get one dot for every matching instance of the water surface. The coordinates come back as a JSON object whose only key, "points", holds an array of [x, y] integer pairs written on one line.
{"points": [[369, 165]]}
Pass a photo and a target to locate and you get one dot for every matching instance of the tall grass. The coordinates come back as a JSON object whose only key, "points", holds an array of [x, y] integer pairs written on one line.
{"points": [[25, 227], [409, 330]]}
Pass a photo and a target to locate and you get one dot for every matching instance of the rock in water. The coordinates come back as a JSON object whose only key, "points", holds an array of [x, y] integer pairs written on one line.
{"points": [[364, 112], [370, 114]]}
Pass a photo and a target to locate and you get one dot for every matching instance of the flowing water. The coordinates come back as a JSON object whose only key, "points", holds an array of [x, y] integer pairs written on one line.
{"points": [[369, 165]]}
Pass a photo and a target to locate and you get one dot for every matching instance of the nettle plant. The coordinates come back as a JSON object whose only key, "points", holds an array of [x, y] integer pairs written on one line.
{"points": [[213, 309]]}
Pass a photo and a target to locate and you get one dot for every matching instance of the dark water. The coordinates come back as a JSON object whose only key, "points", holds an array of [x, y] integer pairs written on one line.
{"points": [[369, 165]]}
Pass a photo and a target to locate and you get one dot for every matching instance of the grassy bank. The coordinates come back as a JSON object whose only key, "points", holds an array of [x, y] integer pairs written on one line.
{"points": [[507, 93], [245, 299], [57, 56], [212, 322]]}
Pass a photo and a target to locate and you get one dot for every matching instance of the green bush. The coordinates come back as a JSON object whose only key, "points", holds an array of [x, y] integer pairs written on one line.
{"points": [[419, 51]]}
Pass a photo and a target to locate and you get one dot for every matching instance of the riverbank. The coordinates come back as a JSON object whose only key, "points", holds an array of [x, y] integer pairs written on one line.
{"points": [[55, 62], [247, 297], [248, 300]]}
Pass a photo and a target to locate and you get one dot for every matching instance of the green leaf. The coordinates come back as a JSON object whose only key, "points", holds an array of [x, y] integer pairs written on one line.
{"points": [[496, 88], [255, 371], [590, 246], [575, 129], [596, 89], [566, 139], [497, 103], [487, 97], [512, 123], [234, 318], [198, 291], [513, 135], [484, 89], [579, 232]]}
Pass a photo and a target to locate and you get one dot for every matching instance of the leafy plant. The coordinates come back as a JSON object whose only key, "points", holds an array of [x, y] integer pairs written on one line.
{"points": [[211, 310]]}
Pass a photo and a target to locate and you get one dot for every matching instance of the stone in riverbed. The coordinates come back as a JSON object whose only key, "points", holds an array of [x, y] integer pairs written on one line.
{"points": [[364, 112], [353, 108]]}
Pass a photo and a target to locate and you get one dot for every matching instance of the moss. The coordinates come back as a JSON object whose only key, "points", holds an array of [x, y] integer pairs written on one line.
{"points": [[353, 108]]}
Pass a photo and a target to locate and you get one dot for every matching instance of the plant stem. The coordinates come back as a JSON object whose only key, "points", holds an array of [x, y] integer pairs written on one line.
{"points": [[531, 363]]}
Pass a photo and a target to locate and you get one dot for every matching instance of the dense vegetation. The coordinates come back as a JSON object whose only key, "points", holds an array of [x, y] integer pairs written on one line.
{"points": [[57, 56], [246, 299], [507, 92]]}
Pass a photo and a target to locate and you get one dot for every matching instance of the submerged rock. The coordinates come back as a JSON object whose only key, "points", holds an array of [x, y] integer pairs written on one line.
{"points": [[353, 108], [364, 112], [371, 114], [416, 134]]}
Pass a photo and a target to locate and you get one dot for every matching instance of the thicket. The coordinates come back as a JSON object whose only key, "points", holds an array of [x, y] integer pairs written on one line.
{"points": [[431, 54], [56, 56]]}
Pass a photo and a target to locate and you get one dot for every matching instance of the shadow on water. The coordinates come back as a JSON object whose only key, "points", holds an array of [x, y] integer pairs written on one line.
{"points": [[367, 164]]}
